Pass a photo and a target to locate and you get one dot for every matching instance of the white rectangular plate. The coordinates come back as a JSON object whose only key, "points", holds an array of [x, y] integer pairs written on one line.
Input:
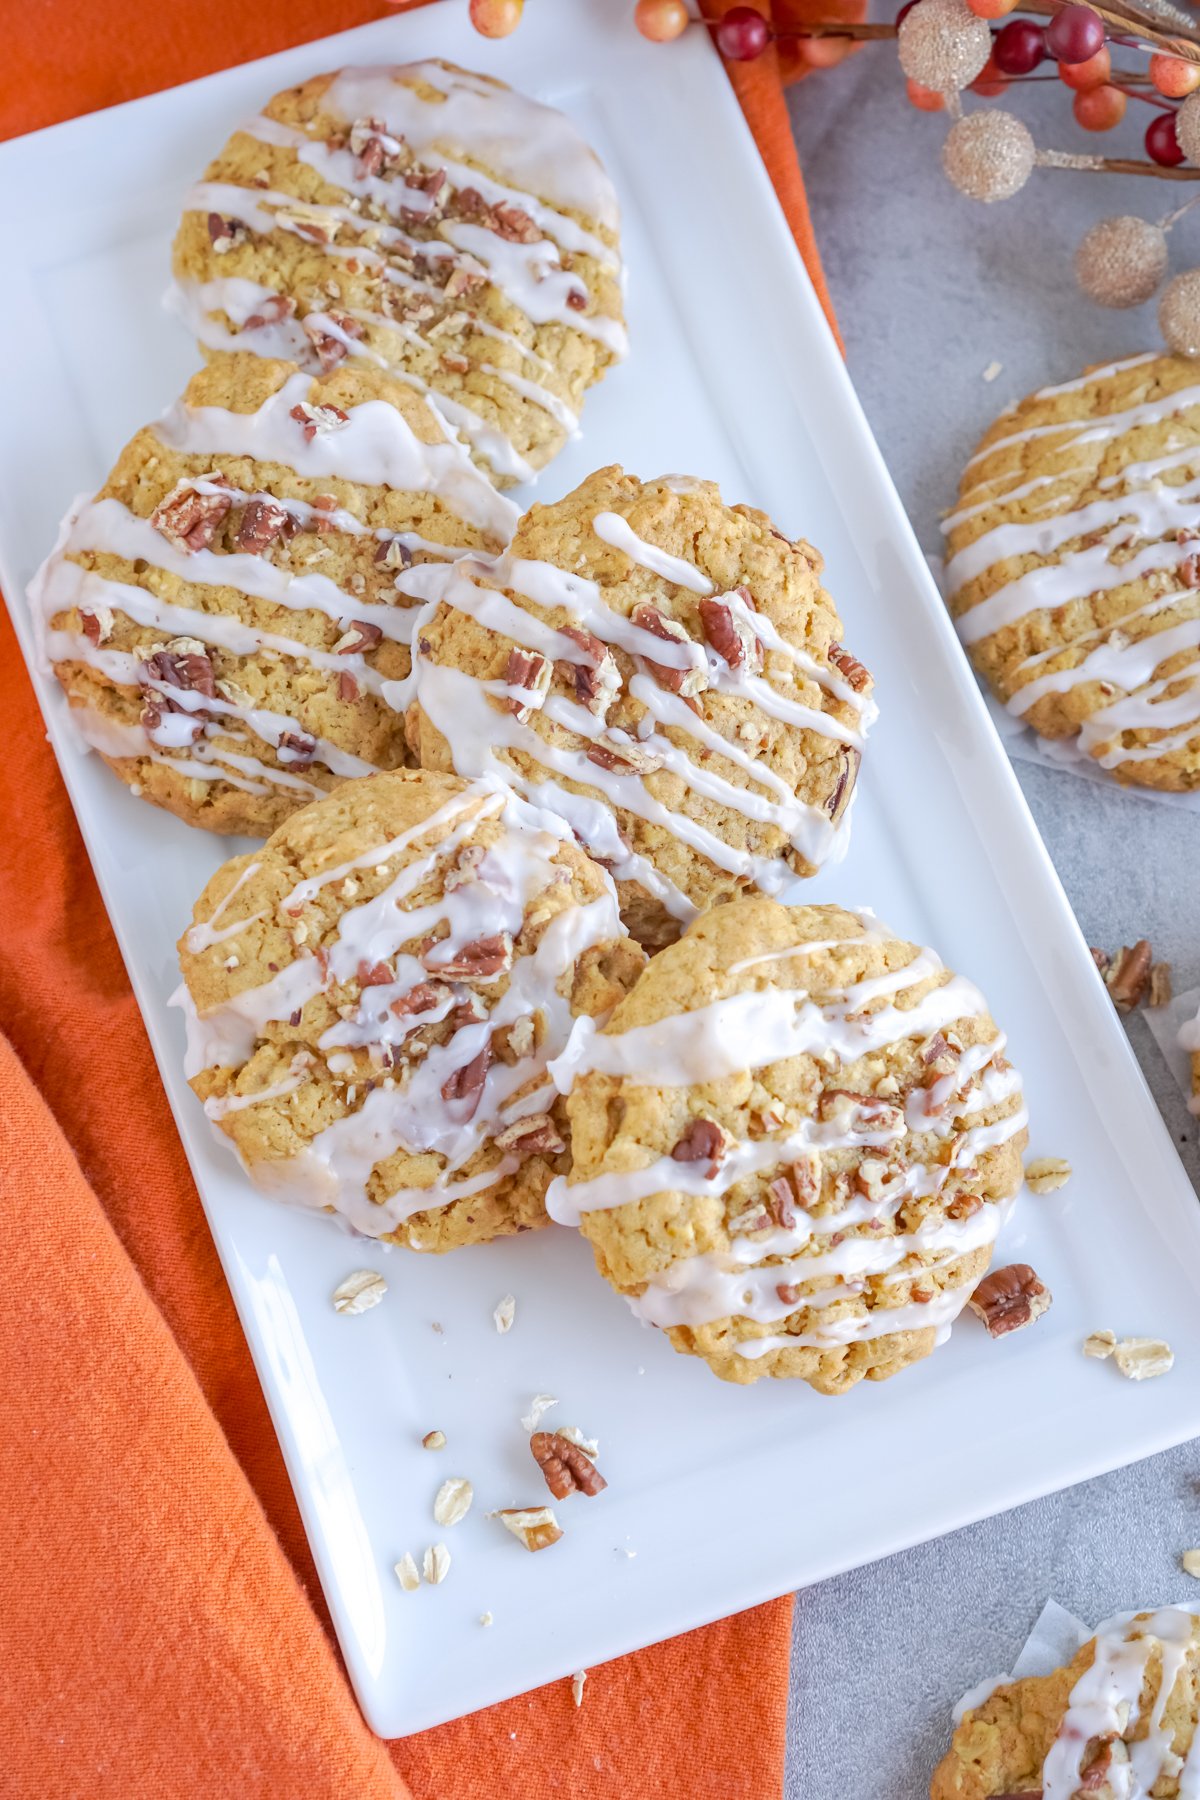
{"points": [[727, 1496]]}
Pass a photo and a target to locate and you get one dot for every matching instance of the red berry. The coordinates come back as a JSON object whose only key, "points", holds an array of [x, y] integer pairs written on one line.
{"points": [[904, 12], [1094, 72], [495, 18], [660, 20], [1162, 146], [742, 34], [1019, 47], [1174, 77], [989, 82], [1074, 34], [992, 9], [1099, 108]]}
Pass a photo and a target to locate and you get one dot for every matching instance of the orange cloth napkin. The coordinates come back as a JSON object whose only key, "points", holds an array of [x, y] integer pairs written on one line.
{"points": [[162, 1630]]}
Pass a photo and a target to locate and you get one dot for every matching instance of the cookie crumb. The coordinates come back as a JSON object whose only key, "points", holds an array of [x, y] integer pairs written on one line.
{"points": [[407, 1574], [504, 1314], [434, 1440], [1100, 1343], [359, 1292], [485, 1618], [1189, 1562], [993, 369], [577, 1682], [1047, 1174]]}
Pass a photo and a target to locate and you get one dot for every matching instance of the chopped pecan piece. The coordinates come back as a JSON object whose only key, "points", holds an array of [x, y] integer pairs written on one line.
{"points": [[703, 1141], [868, 1110], [189, 518], [1160, 985], [1129, 976], [686, 682], [855, 672], [464, 1088], [839, 800], [567, 1468], [330, 348], [272, 311], [454, 362], [262, 521], [392, 554], [375, 974], [317, 420], [536, 1526], [730, 636], [1009, 1298], [97, 624], [223, 234], [347, 688], [535, 1135], [359, 635], [1189, 571], [373, 145], [189, 668], [597, 678], [531, 674], [477, 961], [301, 750], [780, 1203], [421, 998], [577, 300], [624, 758]]}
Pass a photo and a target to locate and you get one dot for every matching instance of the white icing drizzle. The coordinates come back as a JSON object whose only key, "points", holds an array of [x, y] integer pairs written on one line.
{"points": [[1106, 1704], [407, 1110], [615, 530], [1100, 428]]}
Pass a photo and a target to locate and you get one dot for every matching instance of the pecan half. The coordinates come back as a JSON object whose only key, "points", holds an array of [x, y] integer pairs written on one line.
{"points": [[530, 673], [477, 961], [262, 521], [597, 678], [1009, 1298], [703, 1141], [687, 681], [856, 673], [839, 799], [1129, 976], [189, 519], [535, 1135], [730, 636], [567, 1469], [465, 1086]]}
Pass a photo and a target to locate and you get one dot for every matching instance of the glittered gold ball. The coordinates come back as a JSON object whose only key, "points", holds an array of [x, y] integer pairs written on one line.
{"points": [[1122, 261], [988, 155], [1187, 128], [943, 45], [1179, 314]]}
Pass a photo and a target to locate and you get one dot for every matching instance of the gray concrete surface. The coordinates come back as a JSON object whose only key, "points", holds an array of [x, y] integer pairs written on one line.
{"points": [[931, 289]]}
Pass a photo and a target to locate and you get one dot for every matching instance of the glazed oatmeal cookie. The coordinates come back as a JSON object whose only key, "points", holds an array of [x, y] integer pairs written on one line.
{"points": [[1118, 1723], [667, 673], [1073, 567], [373, 996], [224, 615], [794, 1144], [420, 219]]}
